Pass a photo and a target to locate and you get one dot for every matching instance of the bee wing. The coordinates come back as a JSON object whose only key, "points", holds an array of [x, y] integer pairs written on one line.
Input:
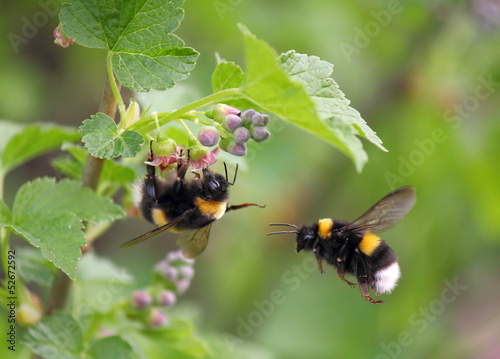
{"points": [[154, 232], [385, 213], [193, 242]]}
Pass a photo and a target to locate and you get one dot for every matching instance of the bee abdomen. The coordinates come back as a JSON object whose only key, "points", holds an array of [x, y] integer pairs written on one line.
{"points": [[386, 279]]}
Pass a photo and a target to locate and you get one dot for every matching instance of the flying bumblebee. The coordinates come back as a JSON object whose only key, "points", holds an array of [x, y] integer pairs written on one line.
{"points": [[355, 247], [184, 206]]}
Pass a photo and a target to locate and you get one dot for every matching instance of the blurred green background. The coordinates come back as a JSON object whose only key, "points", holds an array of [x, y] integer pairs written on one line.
{"points": [[422, 74]]}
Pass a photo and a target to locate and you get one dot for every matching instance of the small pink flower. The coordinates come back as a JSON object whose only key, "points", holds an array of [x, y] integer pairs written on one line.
{"points": [[164, 161], [61, 39], [210, 157]]}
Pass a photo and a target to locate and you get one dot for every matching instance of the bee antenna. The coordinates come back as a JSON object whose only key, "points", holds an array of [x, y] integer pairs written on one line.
{"points": [[282, 232], [235, 173], [284, 224]]}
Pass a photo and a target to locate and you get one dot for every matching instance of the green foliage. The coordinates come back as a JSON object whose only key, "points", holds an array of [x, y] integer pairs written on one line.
{"points": [[49, 215], [145, 53], [226, 75], [112, 347], [20, 144], [58, 336], [332, 107], [34, 267], [102, 139]]}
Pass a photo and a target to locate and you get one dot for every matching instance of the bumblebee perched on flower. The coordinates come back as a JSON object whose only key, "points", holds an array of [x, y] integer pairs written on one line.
{"points": [[355, 247], [184, 206]]}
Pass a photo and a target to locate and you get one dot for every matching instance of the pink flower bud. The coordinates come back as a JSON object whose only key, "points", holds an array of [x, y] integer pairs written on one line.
{"points": [[221, 111], [157, 318], [141, 299], [241, 135], [187, 272], [260, 133], [183, 285], [208, 136], [61, 39], [166, 298], [232, 122]]}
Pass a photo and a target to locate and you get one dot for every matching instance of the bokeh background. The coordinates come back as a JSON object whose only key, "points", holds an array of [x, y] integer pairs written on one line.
{"points": [[424, 74]]}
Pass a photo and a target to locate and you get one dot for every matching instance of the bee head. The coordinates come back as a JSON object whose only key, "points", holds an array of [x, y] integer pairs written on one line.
{"points": [[214, 185], [305, 236]]}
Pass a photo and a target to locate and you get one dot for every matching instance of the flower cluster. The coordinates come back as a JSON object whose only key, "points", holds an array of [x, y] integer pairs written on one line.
{"points": [[171, 278], [239, 127]]}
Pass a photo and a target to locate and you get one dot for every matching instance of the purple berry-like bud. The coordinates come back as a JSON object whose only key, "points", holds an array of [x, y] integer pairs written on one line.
{"points": [[260, 119], [187, 260], [208, 136], [260, 133], [237, 149], [241, 135], [173, 256], [166, 298], [171, 273], [221, 111], [187, 272], [141, 299], [157, 318], [183, 285], [232, 122], [247, 115]]}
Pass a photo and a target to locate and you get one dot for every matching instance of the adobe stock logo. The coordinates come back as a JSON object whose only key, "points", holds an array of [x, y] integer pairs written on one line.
{"points": [[363, 36], [30, 27], [421, 319], [454, 116]]}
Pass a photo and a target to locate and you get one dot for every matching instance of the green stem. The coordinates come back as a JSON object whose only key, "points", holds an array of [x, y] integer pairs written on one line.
{"points": [[2, 178], [191, 135], [4, 240], [147, 123], [114, 87]]}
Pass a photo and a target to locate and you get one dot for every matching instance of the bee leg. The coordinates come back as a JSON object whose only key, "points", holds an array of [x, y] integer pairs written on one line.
{"points": [[181, 172], [318, 259], [197, 181], [363, 282], [150, 181], [243, 205], [340, 272], [365, 291]]}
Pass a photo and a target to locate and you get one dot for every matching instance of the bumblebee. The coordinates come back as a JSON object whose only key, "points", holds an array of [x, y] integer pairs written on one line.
{"points": [[355, 247], [187, 206]]}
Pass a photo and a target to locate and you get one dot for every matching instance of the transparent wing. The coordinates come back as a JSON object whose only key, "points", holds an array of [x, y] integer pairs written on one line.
{"points": [[193, 242], [385, 213], [154, 232]]}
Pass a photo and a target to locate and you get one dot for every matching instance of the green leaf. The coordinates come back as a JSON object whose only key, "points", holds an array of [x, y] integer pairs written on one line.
{"points": [[100, 278], [146, 53], [227, 75], [34, 267], [112, 347], [7, 131], [177, 340], [102, 140], [57, 337], [5, 215], [49, 215], [32, 141], [331, 103], [269, 85]]}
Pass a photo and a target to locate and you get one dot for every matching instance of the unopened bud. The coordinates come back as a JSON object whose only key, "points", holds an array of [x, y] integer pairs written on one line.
{"points": [[166, 298], [157, 318], [260, 133], [232, 122], [241, 135], [208, 136], [221, 111], [141, 299]]}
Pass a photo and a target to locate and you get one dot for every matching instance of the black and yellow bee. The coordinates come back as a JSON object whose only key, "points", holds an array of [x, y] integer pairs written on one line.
{"points": [[184, 206], [355, 247]]}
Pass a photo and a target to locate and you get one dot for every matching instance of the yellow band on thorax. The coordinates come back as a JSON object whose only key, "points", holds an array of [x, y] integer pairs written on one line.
{"points": [[369, 243], [325, 228], [209, 208]]}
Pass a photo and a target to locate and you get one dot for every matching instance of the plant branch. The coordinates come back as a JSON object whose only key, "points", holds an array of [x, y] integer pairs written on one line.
{"points": [[62, 283]]}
